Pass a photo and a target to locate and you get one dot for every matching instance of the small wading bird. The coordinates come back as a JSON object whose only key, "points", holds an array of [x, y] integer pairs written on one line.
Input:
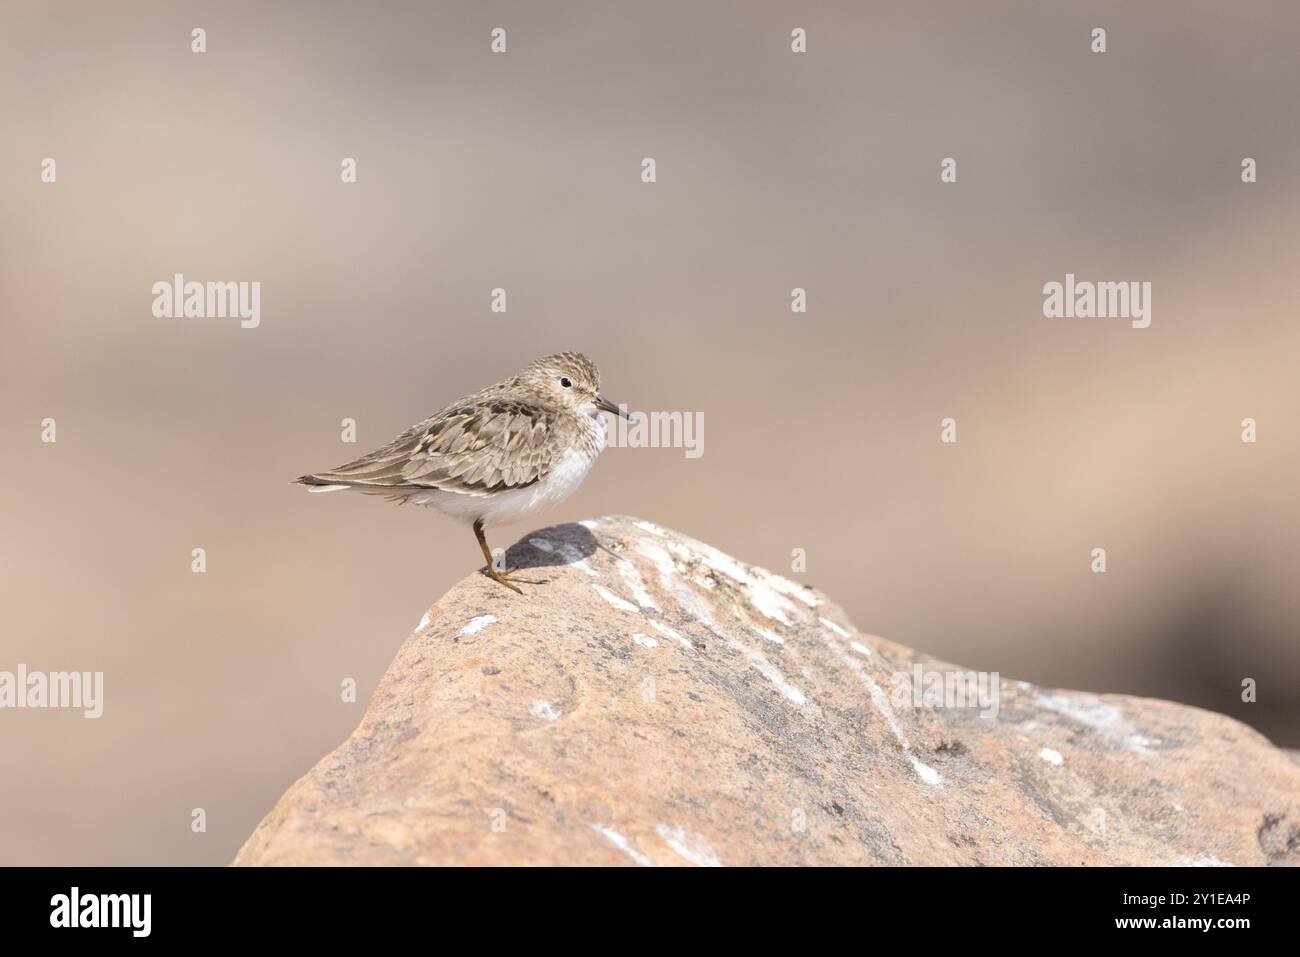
{"points": [[507, 451]]}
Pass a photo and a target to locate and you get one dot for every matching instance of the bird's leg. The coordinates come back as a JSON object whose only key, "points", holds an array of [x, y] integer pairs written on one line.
{"points": [[490, 571], [482, 541], [502, 576]]}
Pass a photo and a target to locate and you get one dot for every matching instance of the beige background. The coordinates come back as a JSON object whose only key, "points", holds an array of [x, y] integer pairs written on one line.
{"points": [[521, 171]]}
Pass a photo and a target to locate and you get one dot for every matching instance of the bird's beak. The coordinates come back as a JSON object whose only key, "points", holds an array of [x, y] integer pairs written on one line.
{"points": [[604, 403]]}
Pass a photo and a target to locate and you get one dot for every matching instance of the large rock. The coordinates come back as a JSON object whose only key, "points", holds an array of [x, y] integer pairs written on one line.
{"points": [[658, 702]]}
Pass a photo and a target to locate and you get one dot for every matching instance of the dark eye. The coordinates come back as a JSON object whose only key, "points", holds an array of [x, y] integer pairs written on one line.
{"points": [[564, 381]]}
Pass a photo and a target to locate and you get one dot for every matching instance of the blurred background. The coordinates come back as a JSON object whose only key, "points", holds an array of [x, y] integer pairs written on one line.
{"points": [[522, 171]]}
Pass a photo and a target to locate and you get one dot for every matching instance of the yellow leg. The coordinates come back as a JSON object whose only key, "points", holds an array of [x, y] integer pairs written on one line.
{"points": [[501, 577]]}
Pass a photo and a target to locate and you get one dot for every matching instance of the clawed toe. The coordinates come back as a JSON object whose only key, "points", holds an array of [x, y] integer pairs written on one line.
{"points": [[503, 577], [500, 578], [509, 580]]}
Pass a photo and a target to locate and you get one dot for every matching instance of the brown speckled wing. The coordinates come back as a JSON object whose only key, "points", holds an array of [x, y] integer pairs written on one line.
{"points": [[475, 447]]}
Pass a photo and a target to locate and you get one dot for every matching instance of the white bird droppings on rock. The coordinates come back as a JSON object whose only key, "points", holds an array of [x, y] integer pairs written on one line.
{"points": [[1102, 716], [762, 588], [772, 673], [926, 773], [619, 841], [619, 603], [661, 560], [787, 587], [543, 710], [670, 633], [769, 601], [689, 847], [834, 627], [881, 701], [478, 624], [633, 578]]}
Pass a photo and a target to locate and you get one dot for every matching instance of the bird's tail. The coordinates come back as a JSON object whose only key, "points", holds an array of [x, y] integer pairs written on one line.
{"points": [[315, 483]]}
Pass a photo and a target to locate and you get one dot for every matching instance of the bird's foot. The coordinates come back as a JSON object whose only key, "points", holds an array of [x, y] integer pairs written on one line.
{"points": [[509, 579]]}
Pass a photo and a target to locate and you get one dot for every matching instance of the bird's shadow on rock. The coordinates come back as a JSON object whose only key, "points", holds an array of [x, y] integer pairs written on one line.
{"points": [[552, 547]]}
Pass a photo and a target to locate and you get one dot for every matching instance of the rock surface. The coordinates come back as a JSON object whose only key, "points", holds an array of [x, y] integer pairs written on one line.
{"points": [[657, 702]]}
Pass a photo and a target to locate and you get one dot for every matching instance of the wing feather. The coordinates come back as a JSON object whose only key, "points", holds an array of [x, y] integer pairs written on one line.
{"points": [[475, 447]]}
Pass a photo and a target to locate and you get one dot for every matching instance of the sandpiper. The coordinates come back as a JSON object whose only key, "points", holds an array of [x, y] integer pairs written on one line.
{"points": [[504, 452]]}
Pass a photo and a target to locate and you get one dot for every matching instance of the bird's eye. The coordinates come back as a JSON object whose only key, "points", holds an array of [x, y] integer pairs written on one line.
{"points": [[564, 381]]}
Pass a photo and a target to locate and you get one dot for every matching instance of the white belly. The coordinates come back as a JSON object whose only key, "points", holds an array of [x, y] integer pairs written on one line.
{"points": [[503, 507]]}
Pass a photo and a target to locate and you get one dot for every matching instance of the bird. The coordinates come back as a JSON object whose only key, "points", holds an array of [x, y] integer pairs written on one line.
{"points": [[504, 452]]}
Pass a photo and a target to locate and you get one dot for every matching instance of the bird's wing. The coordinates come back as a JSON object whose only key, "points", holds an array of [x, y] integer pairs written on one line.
{"points": [[475, 447]]}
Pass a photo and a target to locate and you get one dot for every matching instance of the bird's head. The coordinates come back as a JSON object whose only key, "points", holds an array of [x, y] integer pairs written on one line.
{"points": [[569, 380]]}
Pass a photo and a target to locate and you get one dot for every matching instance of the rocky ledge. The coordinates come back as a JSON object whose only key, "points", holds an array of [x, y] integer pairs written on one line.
{"points": [[657, 702]]}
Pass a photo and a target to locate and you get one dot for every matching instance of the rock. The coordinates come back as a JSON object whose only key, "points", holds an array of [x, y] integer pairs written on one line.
{"points": [[658, 702]]}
